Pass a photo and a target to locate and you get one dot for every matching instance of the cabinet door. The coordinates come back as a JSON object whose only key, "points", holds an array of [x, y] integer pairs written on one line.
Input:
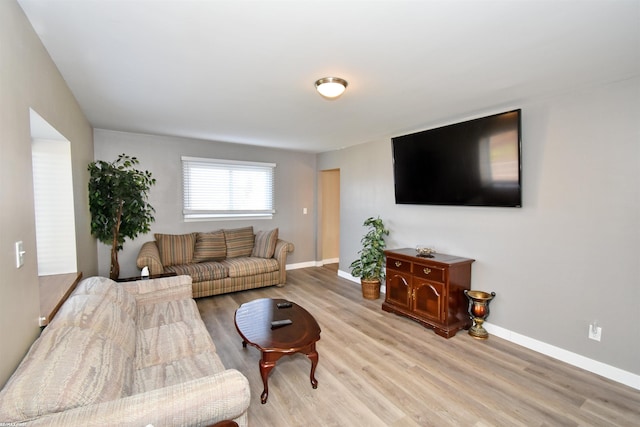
{"points": [[398, 289], [429, 299]]}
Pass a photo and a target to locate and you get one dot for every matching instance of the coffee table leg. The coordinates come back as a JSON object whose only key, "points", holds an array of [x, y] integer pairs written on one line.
{"points": [[265, 369], [313, 356]]}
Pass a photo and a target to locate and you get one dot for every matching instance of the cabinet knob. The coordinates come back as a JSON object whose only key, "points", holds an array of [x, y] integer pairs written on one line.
{"points": [[426, 270], [398, 263]]}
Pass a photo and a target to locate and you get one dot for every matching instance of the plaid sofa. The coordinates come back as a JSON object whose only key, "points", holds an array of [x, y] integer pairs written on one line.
{"points": [[131, 354], [220, 261]]}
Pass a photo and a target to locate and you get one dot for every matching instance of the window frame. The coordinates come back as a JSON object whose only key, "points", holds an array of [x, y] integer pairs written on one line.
{"points": [[190, 194]]}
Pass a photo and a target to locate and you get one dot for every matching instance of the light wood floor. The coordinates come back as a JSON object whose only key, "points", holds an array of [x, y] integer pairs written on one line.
{"points": [[379, 369]]}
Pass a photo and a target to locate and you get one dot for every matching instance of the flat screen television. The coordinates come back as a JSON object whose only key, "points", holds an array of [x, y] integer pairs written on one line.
{"points": [[472, 163]]}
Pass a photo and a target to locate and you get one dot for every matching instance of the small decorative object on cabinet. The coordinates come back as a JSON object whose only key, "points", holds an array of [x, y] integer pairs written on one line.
{"points": [[425, 251], [429, 290], [479, 311]]}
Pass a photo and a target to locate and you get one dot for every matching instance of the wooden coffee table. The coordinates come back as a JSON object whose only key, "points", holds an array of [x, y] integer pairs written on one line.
{"points": [[253, 322]]}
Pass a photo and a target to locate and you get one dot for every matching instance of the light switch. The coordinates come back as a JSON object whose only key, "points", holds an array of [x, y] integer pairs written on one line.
{"points": [[304, 211], [19, 254]]}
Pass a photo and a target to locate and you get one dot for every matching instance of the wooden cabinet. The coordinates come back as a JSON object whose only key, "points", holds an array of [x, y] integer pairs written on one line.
{"points": [[429, 290]]}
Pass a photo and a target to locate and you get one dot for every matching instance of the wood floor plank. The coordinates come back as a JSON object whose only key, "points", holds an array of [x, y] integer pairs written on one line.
{"points": [[379, 369]]}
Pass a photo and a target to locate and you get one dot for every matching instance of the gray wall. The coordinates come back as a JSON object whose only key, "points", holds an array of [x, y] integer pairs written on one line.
{"points": [[295, 183], [29, 79], [569, 256]]}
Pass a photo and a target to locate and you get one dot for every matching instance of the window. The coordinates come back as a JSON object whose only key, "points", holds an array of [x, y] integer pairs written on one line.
{"points": [[53, 199], [214, 189]]}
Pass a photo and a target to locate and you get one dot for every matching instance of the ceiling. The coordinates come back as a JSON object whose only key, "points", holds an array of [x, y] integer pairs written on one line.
{"points": [[243, 71]]}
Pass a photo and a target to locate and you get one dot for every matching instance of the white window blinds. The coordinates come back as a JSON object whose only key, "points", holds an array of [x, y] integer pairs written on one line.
{"points": [[54, 208], [214, 188]]}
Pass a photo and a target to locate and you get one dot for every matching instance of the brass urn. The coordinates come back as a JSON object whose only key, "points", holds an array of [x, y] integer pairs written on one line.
{"points": [[479, 311]]}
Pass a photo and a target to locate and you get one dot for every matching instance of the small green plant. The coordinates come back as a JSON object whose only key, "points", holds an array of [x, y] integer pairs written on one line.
{"points": [[370, 265], [118, 202]]}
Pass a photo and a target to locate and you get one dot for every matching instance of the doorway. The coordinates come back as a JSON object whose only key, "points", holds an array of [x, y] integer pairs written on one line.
{"points": [[329, 221]]}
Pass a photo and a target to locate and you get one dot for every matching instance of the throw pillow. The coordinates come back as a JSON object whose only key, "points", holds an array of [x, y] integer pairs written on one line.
{"points": [[239, 241], [176, 249], [210, 247], [265, 243]]}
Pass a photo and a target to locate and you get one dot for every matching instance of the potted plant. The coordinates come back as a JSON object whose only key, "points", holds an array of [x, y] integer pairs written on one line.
{"points": [[118, 203], [370, 266]]}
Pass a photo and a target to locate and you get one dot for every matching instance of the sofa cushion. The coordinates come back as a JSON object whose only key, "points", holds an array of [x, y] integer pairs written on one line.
{"points": [[65, 368], [176, 249], [239, 242], [240, 267], [164, 313], [265, 243], [111, 290], [101, 316], [210, 247], [159, 344], [200, 272], [177, 371]]}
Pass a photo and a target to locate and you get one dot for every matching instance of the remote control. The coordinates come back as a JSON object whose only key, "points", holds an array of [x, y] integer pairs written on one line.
{"points": [[287, 304], [280, 323]]}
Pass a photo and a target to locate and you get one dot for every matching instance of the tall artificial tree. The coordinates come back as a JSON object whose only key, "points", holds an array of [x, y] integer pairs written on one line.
{"points": [[118, 201]]}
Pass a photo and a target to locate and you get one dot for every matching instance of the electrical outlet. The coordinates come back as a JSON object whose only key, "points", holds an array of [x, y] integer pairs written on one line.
{"points": [[595, 332]]}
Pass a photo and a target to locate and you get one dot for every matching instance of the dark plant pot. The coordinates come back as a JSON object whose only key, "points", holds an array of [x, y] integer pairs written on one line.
{"points": [[370, 288]]}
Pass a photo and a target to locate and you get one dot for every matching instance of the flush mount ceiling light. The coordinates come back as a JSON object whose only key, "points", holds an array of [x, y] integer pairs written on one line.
{"points": [[331, 87]]}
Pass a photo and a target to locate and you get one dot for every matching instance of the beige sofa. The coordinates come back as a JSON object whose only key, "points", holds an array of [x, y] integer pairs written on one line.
{"points": [[130, 354], [220, 261]]}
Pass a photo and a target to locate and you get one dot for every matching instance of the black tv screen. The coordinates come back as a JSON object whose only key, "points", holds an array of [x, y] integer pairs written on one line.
{"points": [[473, 163]]}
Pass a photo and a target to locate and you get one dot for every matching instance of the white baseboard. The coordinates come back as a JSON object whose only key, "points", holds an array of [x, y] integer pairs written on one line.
{"points": [[303, 265], [312, 264], [599, 368], [345, 275], [348, 276]]}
